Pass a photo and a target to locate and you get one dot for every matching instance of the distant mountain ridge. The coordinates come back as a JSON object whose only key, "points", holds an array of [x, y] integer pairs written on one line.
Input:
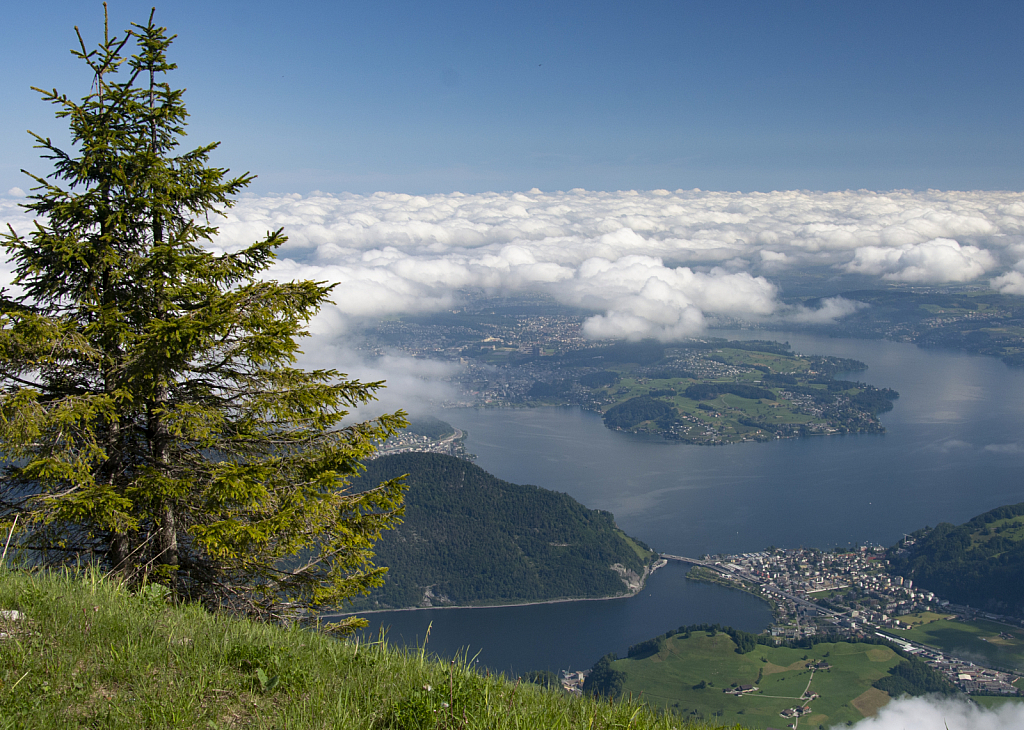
{"points": [[471, 538], [979, 563]]}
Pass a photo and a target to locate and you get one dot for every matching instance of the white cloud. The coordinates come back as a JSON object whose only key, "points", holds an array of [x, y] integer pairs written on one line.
{"points": [[929, 714], [16, 193], [644, 298], [831, 309], [1012, 282], [939, 260], [1009, 283], [416, 385]]}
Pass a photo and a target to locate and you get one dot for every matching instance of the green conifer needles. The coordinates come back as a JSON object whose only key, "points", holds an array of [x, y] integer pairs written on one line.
{"points": [[150, 414]]}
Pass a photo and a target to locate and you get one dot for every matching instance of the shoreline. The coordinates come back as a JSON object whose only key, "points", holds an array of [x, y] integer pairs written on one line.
{"points": [[648, 571], [713, 578]]}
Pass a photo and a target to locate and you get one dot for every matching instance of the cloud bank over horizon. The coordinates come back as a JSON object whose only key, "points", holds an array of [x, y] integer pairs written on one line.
{"points": [[646, 264]]}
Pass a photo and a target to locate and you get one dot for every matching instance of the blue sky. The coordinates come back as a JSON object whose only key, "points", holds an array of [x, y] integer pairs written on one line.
{"points": [[469, 96]]}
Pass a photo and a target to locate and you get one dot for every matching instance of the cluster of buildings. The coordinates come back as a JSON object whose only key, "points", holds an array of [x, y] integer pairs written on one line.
{"points": [[798, 711], [966, 675], [974, 679], [572, 681], [405, 442], [695, 364], [478, 331], [866, 591], [741, 689], [850, 593]]}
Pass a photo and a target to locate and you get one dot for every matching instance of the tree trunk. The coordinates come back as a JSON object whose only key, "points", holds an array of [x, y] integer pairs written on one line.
{"points": [[167, 537], [167, 529], [119, 549]]}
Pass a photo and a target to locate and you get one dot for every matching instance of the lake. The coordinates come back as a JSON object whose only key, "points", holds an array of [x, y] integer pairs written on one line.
{"points": [[954, 448]]}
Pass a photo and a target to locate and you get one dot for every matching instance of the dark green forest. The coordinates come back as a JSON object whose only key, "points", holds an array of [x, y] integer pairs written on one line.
{"points": [[599, 379], [915, 678], [979, 563], [471, 538], [637, 410], [707, 391], [603, 680]]}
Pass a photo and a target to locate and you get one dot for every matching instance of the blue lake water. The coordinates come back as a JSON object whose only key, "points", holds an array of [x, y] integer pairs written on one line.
{"points": [[575, 634], [954, 448]]}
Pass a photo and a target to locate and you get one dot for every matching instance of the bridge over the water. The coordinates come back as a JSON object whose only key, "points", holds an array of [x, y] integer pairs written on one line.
{"points": [[681, 559]]}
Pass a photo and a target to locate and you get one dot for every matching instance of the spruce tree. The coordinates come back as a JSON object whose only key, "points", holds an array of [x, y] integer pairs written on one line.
{"points": [[151, 414]]}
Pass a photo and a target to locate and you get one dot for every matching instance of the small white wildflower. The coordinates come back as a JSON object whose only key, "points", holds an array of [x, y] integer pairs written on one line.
{"points": [[427, 688]]}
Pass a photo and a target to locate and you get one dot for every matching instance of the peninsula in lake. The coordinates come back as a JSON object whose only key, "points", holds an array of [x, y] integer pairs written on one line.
{"points": [[712, 392], [706, 391]]}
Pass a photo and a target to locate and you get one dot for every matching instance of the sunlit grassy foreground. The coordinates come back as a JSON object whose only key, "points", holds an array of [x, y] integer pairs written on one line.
{"points": [[87, 652]]}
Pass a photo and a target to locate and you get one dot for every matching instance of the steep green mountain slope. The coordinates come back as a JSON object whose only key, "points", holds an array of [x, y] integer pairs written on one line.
{"points": [[471, 538], [979, 563]]}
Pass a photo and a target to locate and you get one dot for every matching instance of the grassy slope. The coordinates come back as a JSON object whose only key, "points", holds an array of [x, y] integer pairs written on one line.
{"points": [[669, 678], [91, 654], [977, 638]]}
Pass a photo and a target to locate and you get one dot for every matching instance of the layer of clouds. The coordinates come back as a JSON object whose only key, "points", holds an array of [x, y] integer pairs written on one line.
{"points": [[654, 263], [645, 264], [928, 714]]}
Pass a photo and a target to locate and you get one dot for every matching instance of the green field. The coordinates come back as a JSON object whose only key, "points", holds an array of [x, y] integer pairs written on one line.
{"points": [[1011, 528], [670, 679], [975, 639], [778, 363], [996, 702]]}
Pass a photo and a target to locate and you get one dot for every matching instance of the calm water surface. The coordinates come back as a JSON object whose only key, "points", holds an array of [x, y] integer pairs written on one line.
{"points": [[954, 448], [573, 634]]}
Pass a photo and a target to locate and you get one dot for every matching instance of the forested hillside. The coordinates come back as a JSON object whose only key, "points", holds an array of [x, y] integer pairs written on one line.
{"points": [[979, 563], [469, 537]]}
